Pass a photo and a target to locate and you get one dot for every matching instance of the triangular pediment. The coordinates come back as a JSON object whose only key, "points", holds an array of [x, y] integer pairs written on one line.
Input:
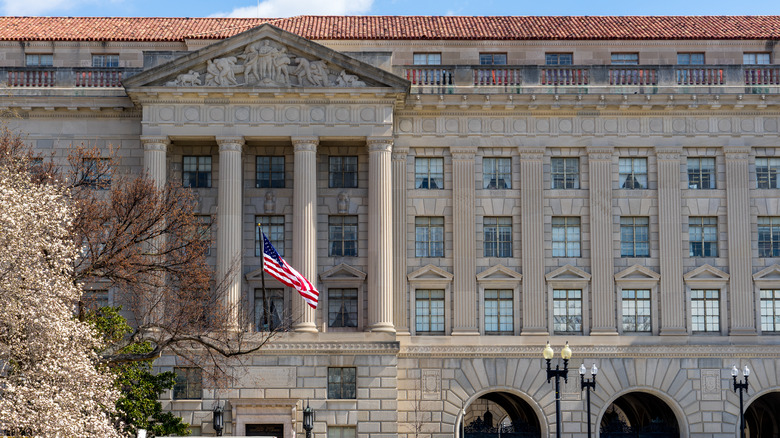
{"points": [[343, 272], [266, 57], [499, 272], [637, 273], [771, 273], [568, 272], [706, 273], [430, 272]]}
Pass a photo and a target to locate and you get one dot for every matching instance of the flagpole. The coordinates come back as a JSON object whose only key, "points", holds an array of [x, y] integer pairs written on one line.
{"points": [[262, 275]]}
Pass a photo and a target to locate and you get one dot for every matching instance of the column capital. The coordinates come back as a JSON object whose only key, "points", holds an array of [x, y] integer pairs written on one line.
{"points": [[601, 153], [233, 143], [463, 153], [531, 154], [155, 142], [669, 154], [305, 143], [379, 144], [737, 152], [400, 153]]}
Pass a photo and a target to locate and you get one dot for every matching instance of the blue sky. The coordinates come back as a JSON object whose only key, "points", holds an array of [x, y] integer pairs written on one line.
{"points": [[281, 8]]}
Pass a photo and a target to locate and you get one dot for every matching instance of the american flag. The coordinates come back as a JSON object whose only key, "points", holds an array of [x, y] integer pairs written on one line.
{"points": [[275, 265]]}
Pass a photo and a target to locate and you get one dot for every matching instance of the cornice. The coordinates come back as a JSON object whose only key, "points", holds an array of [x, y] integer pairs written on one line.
{"points": [[704, 44], [329, 348]]}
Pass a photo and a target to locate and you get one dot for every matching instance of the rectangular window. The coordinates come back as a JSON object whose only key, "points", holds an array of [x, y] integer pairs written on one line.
{"points": [[499, 315], [701, 173], [269, 172], [39, 60], [492, 58], [633, 173], [634, 237], [342, 383], [269, 310], [273, 227], [429, 173], [105, 60], [567, 310], [196, 171], [342, 307], [558, 58], [703, 236], [566, 236], [497, 173], [427, 59], [342, 236], [625, 58], [204, 231], [769, 236], [343, 172], [770, 310], [766, 173], [189, 384], [756, 58], [429, 311], [705, 310], [690, 58], [636, 310], [429, 237], [342, 431], [498, 236], [565, 173], [96, 173]]}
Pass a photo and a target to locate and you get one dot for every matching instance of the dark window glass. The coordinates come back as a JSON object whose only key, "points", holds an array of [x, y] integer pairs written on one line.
{"points": [[701, 173], [428, 173], [497, 173], [269, 172], [342, 236], [703, 236], [769, 236], [269, 310], [492, 58], [189, 384], [343, 172], [342, 383], [497, 236], [766, 173], [559, 59], [565, 173], [196, 171], [633, 173], [429, 236], [342, 307], [634, 237]]}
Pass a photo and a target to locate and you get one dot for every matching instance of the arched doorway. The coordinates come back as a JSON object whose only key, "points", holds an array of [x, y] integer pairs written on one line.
{"points": [[639, 415], [762, 417], [501, 414]]}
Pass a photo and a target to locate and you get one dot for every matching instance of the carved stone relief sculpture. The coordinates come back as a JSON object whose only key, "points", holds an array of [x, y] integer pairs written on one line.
{"points": [[190, 79]]}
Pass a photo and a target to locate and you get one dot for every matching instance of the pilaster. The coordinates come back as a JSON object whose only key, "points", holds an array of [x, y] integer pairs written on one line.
{"points": [[464, 290], [380, 246], [532, 229], [155, 158], [305, 226], [400, 284]]}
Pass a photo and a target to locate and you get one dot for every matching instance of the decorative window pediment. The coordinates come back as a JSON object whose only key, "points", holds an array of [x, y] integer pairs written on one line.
{"points": [[638, 276], [430, 272], [499, 276], [768, 275], [567, 273], [706, 276], [343, 273]]}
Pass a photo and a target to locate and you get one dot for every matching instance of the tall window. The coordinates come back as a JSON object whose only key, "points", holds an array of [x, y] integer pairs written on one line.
{"points": [[204, 231], [269, 309], [769, 236], [498, 236], [559, 58], [428, 173], [770, 310], [636, 310], [565, 173], [342, 236], [39, 60], [343, 172], [342, 383], [269, 172], [703, 236], [633, 173], [756, 58], [273, 227], [705, 310], [499, 311], [196, 171], [701, 173], [189, 384], [429, 311], [497, 173], [766, 173], [690, 58], [105, 60], [625, 58], [96, 173], [634, 237], [342, 307], [566, 236], [567, 310], [427, 59], [492, 58], [429, 237]]}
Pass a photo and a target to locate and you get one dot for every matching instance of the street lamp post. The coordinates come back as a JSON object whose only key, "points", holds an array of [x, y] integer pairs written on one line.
{"points": [[548, 354], [588, 384], [741, 386], [219, 420], [308, 420]]}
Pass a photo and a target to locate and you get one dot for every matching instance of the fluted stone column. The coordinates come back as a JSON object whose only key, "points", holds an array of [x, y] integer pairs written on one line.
{"points": [[532, 230], [305, 226], [380, 244], [738, 217], [155, 158], [601, 261], [464, 285], [400, 284], [229, 235], [672, 290]]}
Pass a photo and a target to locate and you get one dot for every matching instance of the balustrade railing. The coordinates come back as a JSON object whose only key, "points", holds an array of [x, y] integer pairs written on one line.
{"points": [[762, 76], [497, 76], [31, 78], [562, 76], [633, 76], [429, 76], [99, 78], [700, 76], [64, 77]]}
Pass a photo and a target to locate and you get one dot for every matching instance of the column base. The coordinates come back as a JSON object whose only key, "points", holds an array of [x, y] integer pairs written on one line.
{"points": [[604, 332], [743, 332], [534, 332], [465, 332], [305, 327], [383, 327], [673, 332]]}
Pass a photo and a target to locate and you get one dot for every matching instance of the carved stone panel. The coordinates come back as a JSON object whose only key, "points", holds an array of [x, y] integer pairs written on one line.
{"points": [[430, 382], [710, 385]]}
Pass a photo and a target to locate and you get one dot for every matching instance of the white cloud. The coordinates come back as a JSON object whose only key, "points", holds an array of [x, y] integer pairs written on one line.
{"points": [[289, 8]]}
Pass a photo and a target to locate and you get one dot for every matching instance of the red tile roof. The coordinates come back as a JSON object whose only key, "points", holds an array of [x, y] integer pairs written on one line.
{"points": [[396, 28]]}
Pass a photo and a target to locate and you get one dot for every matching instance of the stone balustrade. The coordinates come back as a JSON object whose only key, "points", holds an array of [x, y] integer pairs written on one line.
{"points": [[65, 77]]}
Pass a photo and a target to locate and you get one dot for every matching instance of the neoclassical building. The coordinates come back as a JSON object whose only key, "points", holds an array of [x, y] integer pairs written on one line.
{"points": [[461, 190]]}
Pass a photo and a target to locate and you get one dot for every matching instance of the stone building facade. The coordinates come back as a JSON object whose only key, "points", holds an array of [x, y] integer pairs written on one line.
{"points": [[461, 190]]}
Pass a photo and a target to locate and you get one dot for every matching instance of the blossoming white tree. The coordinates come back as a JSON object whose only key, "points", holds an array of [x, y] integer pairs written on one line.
{"points": [[51, 383]]}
